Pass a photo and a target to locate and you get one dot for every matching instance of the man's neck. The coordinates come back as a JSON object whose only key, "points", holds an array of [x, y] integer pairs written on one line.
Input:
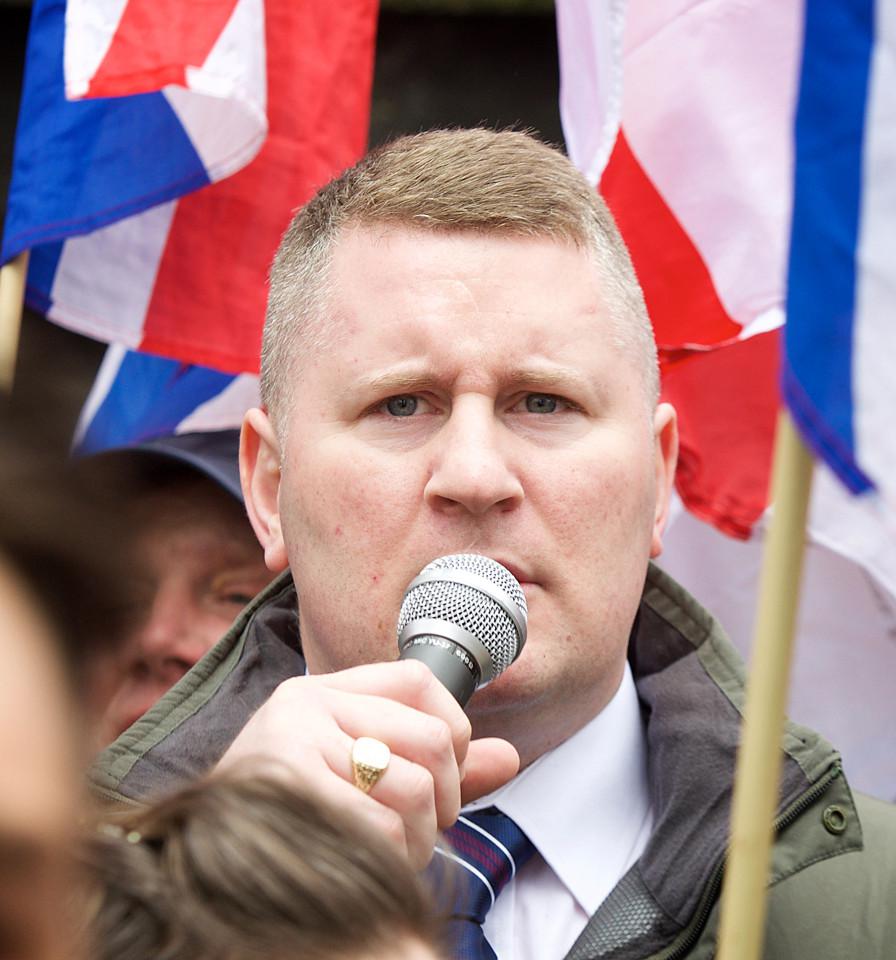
{"points": [[537, 727]]}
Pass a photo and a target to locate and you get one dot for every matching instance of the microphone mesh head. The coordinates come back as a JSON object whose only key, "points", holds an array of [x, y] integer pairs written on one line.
{"points": [[472, 609]]}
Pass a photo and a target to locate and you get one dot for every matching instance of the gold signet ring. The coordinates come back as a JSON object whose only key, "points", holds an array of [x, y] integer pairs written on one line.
{"points": [[369, 761]]}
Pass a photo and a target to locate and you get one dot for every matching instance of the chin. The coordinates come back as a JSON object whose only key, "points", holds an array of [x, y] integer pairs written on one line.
{"points": [[515, 707], [520, 686]]}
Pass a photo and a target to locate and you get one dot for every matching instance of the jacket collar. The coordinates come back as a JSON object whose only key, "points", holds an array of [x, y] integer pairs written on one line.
{"points": [[690, 683]]}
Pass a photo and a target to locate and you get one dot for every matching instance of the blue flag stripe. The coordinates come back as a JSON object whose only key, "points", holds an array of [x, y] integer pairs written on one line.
{"points": [[817, 372], [41, 271], [81, 165], [149, 397]]}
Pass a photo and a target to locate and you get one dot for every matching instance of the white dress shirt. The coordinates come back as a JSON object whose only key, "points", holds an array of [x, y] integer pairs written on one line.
{"points": [[586, 807]]}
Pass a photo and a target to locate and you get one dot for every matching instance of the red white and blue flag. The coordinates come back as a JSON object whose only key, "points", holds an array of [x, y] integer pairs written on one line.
{"points": [[840, 339], [161, 149], [684, 115], [746, 151]]}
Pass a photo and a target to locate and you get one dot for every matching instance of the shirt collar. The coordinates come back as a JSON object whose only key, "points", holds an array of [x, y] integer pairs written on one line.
{"points": [[586, 803]]}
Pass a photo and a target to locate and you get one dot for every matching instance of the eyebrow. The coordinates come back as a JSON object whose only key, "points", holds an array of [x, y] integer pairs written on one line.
{"points": [[415, 379], [553, 376], [404, 381]]}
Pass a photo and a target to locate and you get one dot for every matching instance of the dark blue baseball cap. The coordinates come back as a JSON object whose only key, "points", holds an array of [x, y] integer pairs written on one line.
{"points": [[213, 453]]}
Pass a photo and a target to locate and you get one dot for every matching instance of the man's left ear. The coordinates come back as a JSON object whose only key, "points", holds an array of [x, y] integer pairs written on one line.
{"points": [[665, 434]]}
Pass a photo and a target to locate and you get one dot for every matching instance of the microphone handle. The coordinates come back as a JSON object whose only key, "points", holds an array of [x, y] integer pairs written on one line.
{"points": [[452, 665]]}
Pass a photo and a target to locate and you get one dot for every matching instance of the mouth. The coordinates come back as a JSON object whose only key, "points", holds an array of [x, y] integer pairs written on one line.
{"points": [[522, 576]]}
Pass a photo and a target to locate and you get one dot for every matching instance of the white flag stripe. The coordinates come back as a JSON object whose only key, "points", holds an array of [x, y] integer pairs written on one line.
{"points": [[236, 66], [770, 319], [228, 124], [105, 377], [111, 303], [740, 122], [90, 26], [859, 528], [845, 651], [590, 34], [225, 133], [874, 331], [226, 410]]}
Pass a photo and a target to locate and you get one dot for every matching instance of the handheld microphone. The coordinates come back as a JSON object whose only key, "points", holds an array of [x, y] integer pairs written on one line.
{"points": [[464, 616]]}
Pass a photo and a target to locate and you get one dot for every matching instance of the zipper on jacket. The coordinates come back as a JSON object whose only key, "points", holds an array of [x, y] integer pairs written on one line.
{"points": [[692, 934]]}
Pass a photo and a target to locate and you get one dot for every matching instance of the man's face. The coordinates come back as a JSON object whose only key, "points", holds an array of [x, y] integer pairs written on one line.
{"points": [[473, 401], [198, 565]]}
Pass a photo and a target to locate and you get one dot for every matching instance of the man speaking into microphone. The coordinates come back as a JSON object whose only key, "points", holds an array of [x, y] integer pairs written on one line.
{"points": [[457, 360]]}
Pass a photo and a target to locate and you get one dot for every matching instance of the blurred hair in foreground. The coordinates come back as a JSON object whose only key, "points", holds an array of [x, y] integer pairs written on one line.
{"points": [[237, 867]]}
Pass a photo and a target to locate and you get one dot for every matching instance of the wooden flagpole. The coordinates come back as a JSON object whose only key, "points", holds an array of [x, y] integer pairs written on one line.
{"points": [[12, 299], [744, 894]]}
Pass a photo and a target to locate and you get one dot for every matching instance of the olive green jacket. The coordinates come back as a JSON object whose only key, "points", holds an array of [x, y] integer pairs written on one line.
{"points": [[833, 872]]}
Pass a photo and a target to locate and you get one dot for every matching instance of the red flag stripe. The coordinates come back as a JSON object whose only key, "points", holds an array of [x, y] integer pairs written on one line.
{"points": [[727, 402], [152, 46], [682, 300]]}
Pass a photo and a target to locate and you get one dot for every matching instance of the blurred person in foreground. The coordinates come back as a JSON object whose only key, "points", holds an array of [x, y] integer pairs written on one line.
{"points": [[196, 560], [242, 867], [64, 608], [457, 358]]}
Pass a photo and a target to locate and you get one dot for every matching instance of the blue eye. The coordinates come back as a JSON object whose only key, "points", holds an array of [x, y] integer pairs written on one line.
{"points": [[402, 406], [541, 403]]}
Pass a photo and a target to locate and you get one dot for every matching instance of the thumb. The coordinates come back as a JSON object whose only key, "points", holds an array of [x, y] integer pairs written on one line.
{"points": [[489, 764]]}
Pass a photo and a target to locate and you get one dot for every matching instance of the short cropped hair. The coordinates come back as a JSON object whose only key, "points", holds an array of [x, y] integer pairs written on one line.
{"points": [[484, 181], [239, 867]]}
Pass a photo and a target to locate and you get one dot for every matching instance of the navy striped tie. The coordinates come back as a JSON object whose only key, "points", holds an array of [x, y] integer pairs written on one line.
{"points": [[491, 848]]}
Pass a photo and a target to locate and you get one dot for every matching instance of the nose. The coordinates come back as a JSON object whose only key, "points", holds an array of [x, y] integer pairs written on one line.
{"points": [[472, 469], [165, 642]]}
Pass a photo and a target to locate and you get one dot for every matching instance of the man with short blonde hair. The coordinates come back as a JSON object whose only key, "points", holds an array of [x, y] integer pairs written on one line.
{"points": [[457, 360]]}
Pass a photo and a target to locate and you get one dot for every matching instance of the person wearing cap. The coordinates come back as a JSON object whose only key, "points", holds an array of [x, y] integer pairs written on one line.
{"points": [[196, 558]]}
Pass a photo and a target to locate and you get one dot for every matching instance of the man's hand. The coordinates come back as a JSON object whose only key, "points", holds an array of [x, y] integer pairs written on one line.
{"points": [[309, 724]]}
